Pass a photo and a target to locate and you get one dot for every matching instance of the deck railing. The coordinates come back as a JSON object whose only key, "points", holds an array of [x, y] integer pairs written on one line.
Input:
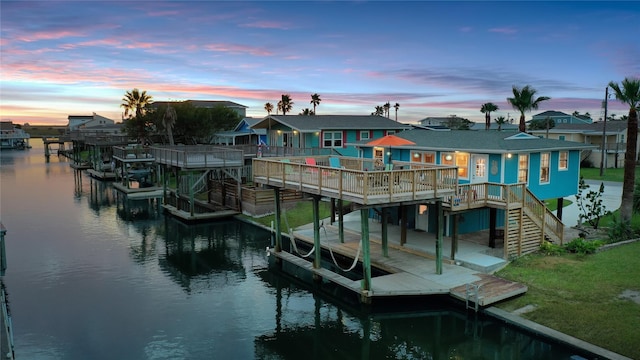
{"points": [[353, 180], [197, 156], [132, 152]]}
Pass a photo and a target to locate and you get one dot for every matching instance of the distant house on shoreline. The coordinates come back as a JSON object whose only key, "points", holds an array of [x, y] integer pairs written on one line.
{"points": [[86, 122], [238, 108], [562, 118]]}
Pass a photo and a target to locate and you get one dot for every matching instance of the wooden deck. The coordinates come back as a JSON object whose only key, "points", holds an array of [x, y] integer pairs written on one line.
{"points": [[197, 157], [355, 183], [410, 273]]}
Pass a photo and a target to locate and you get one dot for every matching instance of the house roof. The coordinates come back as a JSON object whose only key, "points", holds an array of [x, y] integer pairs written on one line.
{"points": [[611, 127], [493, 126], [550, 113], [313, 123], [6, 125], [201, 103], [483, 141]]}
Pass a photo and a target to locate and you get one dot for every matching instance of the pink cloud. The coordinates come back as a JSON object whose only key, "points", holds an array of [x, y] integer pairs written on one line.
{"points": [[238, 49], [49, 35]]}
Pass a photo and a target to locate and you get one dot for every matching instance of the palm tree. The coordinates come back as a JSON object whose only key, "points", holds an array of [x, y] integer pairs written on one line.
{"points": [[168, 120], [379, 111], [629, 94], [315, 101], [136, 101], [500, 120], [269, 107], [387, 107], [285, 104], [487, 109], [524, 100], [307, 112], [396, 106]]}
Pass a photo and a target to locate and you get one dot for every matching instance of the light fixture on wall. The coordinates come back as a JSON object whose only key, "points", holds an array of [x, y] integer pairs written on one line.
{"points": [[416, 155], [509, 156], [448, 157]]}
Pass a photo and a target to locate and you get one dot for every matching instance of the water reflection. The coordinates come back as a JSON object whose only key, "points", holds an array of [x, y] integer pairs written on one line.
{"points": [[137, 209], [199, 256], [101, 195]]}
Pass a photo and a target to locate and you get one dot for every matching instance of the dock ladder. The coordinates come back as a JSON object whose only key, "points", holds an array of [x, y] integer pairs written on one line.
{"points": [[472, 294]]}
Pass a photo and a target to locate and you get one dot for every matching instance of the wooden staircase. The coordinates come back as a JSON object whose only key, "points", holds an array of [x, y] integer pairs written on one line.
{"points": [[528, 222]]}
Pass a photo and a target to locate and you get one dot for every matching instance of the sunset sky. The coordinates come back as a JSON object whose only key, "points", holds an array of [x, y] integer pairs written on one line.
{"points": [[433, 58]]}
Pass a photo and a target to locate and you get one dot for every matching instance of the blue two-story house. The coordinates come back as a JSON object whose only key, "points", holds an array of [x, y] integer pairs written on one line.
{"points": [[503, 178]]}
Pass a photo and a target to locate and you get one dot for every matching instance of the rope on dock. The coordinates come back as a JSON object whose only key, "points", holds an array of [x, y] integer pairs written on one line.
{"points": [[293, 242], [355, 259]]}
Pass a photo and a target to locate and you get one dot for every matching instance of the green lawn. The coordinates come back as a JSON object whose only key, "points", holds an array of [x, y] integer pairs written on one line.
{"points": [[609, 174], [302, 214], [580, 295]]}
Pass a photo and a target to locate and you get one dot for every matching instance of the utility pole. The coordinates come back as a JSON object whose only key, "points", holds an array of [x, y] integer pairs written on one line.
{"points": [[603, 145]]}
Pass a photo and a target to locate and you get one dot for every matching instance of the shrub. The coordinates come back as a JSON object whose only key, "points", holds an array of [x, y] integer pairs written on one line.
{"points": [[549, 248], [636, 198], [621, 231], [583, 247]]}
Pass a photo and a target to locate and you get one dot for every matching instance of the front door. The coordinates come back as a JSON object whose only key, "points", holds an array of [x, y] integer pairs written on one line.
{"points": [[479, 168]]}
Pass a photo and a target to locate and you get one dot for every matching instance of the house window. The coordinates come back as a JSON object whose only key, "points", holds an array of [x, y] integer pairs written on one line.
{"points": [[561, 137], [446, 159], [391, 132], [364, 135], [523, 168], [462, 162], [332, 139], [427, 157], [563, 160], [544, 168]]}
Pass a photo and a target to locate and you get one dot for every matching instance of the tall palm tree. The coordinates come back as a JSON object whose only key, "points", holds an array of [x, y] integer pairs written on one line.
{"points": [[168, 120], [629, 94], [285, 104], [525, 100], [396, 106], [500, 120], [136, 102], [387, 107], [269, 107], [315, 101], [487, 109]]}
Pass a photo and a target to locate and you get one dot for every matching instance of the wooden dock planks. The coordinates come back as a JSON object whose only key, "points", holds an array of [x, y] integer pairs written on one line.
{"points": [[410, 272]]}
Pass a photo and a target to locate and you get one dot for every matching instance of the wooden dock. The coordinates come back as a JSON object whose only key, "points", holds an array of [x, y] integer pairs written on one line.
{"points": [[197, 217], [410, 272]]}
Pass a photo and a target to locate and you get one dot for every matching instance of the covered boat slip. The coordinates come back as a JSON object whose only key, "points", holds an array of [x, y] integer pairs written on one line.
{"points": [[409, 269], [194, 166]]}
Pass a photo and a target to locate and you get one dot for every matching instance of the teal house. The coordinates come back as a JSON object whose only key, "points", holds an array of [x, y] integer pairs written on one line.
{"points": [[495, 170], [338, 133]]}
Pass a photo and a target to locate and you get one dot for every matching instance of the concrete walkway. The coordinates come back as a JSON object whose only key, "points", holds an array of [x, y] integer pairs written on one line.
{"points": [[611, 199]]}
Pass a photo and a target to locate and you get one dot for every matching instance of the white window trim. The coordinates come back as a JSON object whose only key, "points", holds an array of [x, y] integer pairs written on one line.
{"points": [[548, 168], [527, 167], [365, 132], [560, 168], [324, 138]]}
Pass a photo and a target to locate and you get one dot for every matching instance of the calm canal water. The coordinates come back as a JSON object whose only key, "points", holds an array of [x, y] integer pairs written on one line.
{"points": [[91, 278]]}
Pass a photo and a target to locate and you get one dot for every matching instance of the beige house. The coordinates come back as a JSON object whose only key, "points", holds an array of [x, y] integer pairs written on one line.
{"points": [[613, 134]]}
